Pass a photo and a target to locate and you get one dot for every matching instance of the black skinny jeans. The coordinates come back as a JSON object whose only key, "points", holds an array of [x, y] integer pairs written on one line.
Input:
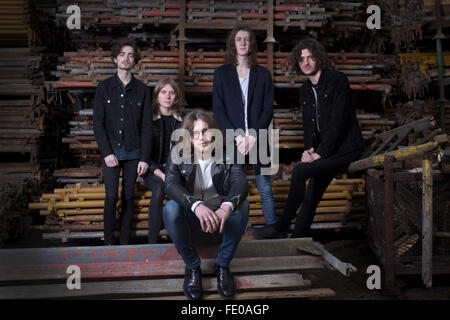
{"points": [[155, 220], [320, 173], [111, 180]]}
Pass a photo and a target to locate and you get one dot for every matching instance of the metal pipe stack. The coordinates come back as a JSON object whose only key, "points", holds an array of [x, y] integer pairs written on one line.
{"points": [[79, 208], [337, 16], [21, 113], [342, 206], [289, 122], [18, 23], [362, 69], [84, 69]]}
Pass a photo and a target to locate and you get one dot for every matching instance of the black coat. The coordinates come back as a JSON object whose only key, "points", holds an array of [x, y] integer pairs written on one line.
{"points": [[116, 115], [158, 136], [228, 106], [339, 129], [228, 179]]}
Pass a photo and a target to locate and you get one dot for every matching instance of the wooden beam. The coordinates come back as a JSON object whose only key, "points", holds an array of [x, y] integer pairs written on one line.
{"points": [[427, 222], [292, 294], [149, 287]]}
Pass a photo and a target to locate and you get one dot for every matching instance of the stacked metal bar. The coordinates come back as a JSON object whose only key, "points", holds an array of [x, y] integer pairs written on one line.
{"points": [[218, 14], [289, 122], [80, 208], [342, 206], [86, 68], [116, 12], [21, 128], [21, 113], [200, 66], [83, 151], [364, 70], [429, 13], [18, 23]]}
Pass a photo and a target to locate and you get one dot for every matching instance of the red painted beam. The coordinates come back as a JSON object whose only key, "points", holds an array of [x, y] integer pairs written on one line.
{"points": [[152, 268], [75, 84], [159, 13]]}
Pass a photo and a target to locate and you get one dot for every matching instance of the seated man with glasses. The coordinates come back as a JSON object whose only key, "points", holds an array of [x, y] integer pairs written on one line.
{"points": [[208, 204]]}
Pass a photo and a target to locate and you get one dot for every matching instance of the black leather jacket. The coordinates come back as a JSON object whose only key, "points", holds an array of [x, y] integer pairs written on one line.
{"points": [[116, 115], [339, 129], [228, 179]]}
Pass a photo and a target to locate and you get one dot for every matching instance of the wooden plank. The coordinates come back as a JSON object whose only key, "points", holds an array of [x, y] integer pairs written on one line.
{"points": [[427, 222], [157, 268], [292, 294], [154, 286]]}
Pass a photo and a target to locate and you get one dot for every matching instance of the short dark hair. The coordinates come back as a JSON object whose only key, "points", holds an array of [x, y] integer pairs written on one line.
{"points": [[231, 52], [317, 51], [126, 43]]}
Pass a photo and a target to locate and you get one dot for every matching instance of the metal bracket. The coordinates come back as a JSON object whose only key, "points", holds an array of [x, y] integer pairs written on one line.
{"points": [[317, 249]]}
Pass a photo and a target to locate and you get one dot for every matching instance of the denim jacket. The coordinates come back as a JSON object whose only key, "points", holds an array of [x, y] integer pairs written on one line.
{"points": [[119, 117]]}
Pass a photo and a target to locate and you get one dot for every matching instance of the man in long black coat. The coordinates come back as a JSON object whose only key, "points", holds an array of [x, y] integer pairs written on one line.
{"points": [[332, 138]]}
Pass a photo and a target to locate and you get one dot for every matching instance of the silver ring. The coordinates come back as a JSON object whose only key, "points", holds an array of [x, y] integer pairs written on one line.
{"points": [[206, 220]]}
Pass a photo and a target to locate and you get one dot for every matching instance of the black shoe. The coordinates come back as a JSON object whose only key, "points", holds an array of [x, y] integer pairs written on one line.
{"points": [[266, 232], [110, 242], [192, 285], [225, 282]]}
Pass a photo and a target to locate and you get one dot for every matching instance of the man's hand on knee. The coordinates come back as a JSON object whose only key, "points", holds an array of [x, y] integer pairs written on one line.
{"points": [[307, 155], [209, 221], [223, 213]]}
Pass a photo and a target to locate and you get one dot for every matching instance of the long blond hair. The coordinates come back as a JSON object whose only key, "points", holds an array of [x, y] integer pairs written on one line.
{"points": [[177, 104]]}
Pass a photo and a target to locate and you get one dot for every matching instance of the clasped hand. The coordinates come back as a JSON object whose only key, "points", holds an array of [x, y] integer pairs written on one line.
{"points": [[245, 144], [111, 161], [211, 220], [310, 155]]}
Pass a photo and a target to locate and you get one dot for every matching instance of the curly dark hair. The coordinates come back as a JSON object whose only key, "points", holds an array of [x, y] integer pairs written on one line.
{"points": [[317, 50], [118, 47], [231, 53]]}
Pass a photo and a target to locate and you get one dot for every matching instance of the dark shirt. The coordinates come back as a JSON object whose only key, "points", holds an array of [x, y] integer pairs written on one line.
{"points": [[167, 124], [122, 153], [162, 129]]}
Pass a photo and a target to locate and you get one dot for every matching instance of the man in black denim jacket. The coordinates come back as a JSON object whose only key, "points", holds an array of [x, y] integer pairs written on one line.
{"points": [[332, 138], [123, 130]]}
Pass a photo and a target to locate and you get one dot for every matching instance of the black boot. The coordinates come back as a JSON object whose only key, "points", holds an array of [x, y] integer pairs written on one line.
{"points": [[266, 232], [192, 285], [225, 282]]}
